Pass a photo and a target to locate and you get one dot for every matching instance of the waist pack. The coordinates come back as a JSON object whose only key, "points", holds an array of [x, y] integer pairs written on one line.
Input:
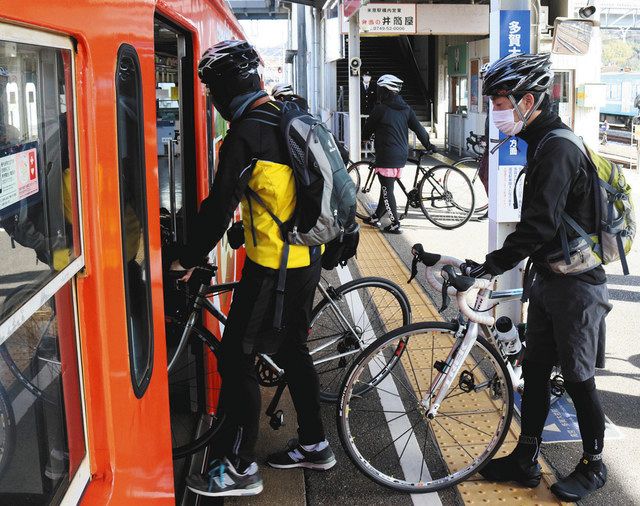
{"points": [[615, 226], [325, 193]]}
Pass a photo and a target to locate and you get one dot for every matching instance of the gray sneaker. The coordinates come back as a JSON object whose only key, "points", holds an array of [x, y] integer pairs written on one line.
{"points": [[223, 480], [296, 456]]}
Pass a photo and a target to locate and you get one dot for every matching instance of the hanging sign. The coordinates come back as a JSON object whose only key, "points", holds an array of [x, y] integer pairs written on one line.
{"points": [[385, 19]]}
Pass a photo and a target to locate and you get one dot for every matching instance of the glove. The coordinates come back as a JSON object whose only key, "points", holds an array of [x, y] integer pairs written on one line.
{"points": [[474, 269], [431, 149]]}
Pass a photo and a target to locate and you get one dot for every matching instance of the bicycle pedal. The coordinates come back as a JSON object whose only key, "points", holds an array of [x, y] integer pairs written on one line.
{"points": [[277, 420]]}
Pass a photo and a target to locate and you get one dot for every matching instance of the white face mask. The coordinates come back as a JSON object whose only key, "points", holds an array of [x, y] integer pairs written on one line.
{"points": [[506, 123], [366, 79]]}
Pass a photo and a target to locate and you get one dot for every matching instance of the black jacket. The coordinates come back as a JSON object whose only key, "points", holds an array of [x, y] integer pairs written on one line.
{"points": [[558, 179], [367, 97], [244, 142], [390, 121]]}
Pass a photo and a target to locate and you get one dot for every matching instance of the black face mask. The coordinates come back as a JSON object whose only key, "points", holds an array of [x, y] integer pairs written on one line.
{"points": [[224, 90]]}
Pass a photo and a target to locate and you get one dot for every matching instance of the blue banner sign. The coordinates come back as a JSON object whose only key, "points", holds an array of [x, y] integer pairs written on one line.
{"points": [[515, 38]]}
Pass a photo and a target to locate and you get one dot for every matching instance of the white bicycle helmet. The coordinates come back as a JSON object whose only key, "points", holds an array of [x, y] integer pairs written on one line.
{"points": [[281, 90], [390, 82]]}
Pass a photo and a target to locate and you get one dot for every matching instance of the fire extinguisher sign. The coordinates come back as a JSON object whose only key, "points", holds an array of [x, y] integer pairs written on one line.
{"points": [[18, 174]]}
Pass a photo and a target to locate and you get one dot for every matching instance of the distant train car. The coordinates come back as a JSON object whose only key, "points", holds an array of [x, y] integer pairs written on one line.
{"points": [[108, 142], [622, 88]]}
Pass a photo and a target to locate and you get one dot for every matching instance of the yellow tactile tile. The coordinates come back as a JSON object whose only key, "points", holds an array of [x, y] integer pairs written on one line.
{"points": [[376, 257]]}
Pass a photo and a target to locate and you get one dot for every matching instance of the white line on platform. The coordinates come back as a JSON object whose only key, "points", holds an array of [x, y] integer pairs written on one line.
{"points": [[412, 460]]}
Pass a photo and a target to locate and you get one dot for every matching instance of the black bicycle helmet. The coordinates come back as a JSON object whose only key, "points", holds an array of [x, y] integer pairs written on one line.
{"points": [[229, 69], [518, 74]]}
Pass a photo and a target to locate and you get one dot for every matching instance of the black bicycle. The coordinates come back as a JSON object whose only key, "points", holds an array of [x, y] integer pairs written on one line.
{"points": [[345, 320], [443, 192], [470, 165]]}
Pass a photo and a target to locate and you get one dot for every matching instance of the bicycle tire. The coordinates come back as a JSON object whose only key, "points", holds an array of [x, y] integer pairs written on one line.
{"points": [[363, 203], [184, 386], [473, 165], [446, 207], [371, 323], [7, 431], [363, 426]]}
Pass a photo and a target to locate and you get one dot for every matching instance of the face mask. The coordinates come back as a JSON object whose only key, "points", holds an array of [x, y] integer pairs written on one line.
{"points": [[366, 79], [504, 121]]}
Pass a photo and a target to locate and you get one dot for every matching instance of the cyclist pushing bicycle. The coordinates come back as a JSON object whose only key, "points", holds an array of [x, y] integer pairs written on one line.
{"points": [[390, 120], [566, 316], [254, 161]]}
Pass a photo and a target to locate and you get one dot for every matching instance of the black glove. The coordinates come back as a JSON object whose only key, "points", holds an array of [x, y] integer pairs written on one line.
{"points": [[474, 269], [431, 149]]}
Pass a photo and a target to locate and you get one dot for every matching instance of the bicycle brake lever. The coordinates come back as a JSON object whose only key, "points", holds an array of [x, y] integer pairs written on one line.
{"points": [[414, 268], [445, 295]]}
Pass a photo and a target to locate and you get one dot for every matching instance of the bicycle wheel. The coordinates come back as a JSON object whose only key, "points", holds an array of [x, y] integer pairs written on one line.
{"points": [[386, 432], [471, 167], [357, 313], [194, 389], [446, 196], [360, 173], [7, 431]]}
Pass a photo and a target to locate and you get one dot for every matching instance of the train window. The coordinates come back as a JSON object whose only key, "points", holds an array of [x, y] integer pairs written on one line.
{"points": [[133, 214], [42, 442]]}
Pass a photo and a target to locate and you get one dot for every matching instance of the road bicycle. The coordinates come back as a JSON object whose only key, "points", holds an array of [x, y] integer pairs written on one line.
{"points": [[345, 319], [443, 192], [470, 165], [443, 410]]}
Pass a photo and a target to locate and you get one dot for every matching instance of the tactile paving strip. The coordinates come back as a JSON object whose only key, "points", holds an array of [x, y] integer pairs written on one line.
{"points": [[376, 257]]}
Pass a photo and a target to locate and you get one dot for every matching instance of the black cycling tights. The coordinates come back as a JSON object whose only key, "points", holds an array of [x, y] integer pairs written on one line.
{"points": [[387, 202], [535, 406]]}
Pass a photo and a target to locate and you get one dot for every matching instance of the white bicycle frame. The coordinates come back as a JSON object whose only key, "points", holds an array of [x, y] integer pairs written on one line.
{"points": [[477, 317]]}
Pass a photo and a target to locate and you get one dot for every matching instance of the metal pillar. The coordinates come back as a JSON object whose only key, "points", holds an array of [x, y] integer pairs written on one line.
{"points": [[354, 90], [499, 226], [301, 57]]}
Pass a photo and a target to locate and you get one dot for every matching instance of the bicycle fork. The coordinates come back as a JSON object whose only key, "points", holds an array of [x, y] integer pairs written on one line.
{"points": [[448, 370]]}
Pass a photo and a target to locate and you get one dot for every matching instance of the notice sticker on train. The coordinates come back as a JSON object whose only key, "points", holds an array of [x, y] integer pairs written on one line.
{"points": [[18, 176]]}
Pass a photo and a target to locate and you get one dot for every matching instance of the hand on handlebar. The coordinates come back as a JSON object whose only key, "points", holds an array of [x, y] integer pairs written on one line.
{"points": [[177, 266], [475, 270]]}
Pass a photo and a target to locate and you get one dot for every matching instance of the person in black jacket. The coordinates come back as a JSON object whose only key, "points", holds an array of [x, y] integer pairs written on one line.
{"points": [[254, 156], [367, 93], [390, 120], [565, 321]]}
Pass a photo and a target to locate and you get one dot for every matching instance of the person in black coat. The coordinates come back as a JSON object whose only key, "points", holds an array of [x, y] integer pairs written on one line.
{"points": [[390, 120]]}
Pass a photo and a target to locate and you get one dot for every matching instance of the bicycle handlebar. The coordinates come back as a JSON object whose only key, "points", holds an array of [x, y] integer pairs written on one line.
{"points": [[443, 273], [477, 142]]}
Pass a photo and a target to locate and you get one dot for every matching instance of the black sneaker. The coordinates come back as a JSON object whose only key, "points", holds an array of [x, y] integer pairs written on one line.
{"points": [[296, 456], [394, 228], [223, 480], [510, 468], [373, 220], [584, 480]]}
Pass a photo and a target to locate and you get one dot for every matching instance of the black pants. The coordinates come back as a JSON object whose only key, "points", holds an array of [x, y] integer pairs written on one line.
{"points": [[387, 201], [252, 313]]}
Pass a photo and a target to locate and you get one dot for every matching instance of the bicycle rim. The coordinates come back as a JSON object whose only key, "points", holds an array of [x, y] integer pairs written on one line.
{"points": [[359, 173], [360, 312], [471, 168], [386, 433], [7, 431], [194, 390], [446, 197]]}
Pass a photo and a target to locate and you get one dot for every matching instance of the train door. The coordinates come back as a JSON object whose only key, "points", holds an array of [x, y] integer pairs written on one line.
{"points": [[178, 201]]}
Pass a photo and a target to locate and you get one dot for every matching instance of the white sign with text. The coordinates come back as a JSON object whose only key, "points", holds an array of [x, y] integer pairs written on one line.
{"points": [[18, 177]]}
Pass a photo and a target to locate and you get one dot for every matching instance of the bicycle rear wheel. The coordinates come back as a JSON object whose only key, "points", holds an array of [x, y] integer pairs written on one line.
{"points": [[386, 432], [471, 167], [446, 196], [355, 315], [360, 173], [194, 390]]}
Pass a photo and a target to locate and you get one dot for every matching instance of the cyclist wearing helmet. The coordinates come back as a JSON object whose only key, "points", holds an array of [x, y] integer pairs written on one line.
{"points": [[253, 155], [566, 316], [284, 93], [390, 120]]}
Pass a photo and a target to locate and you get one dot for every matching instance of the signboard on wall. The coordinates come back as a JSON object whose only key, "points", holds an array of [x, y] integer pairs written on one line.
{"points": [[474, 82], [457, 60], [385, 19]]}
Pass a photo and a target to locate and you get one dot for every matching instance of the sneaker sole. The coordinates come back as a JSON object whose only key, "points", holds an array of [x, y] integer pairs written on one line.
{"points": [[307, 465], [238, 492]]}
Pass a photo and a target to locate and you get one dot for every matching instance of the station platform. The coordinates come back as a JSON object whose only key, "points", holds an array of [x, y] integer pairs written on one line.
{"points": [[344, 484]]}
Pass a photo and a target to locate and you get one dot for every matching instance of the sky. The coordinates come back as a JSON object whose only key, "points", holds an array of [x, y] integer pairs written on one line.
{"points": [[266, 33]]}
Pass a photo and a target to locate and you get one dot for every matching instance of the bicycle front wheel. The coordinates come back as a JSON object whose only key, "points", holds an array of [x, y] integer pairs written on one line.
{"points": [[353, 316], [446, 196], [361, 174], [386, 432], [471, 167], [194, 390]]}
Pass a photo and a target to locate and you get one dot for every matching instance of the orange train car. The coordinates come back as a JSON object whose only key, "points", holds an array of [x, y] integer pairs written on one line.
{"points": [[107, 145]]}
